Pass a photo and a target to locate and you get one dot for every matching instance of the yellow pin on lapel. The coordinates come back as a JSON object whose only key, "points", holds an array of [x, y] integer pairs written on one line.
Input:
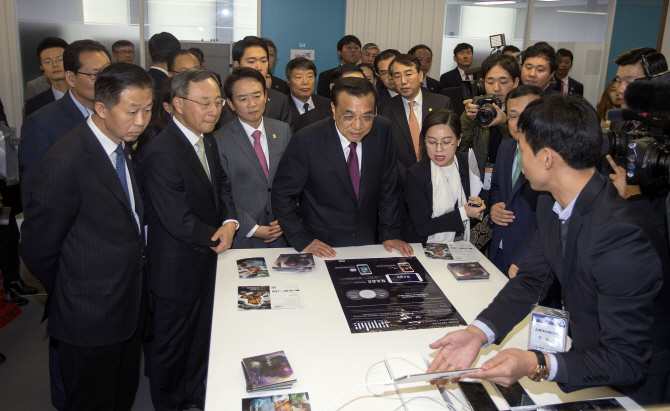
{"points": [[430, 109], [274, 136]]}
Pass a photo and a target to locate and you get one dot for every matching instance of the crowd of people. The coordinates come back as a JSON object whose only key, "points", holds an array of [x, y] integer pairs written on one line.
{"points": [[133, 181]]}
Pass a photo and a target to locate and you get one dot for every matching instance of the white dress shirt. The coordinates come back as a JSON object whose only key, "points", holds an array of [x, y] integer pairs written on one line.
{"points": [[392, 93], [301, 106], [345, 147], [57, 93], [160, 69], [418, 111], [84, 111]]}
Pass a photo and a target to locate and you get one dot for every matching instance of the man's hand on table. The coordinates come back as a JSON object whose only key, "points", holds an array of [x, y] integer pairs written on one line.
{"points": [[508, 367], [404, 248], [225, 234], [458, 349], [320, 249]]}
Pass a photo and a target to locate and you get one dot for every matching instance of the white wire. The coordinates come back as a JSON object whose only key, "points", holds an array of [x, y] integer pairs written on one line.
{"points": [[357, 387]]}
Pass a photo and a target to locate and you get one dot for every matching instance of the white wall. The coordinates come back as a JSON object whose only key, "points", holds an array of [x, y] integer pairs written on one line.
{"points": [[187, 20]]}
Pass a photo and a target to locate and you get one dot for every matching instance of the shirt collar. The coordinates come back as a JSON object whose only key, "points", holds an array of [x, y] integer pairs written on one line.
{"points": [[57, 93], [392, 93], [564, 213], [418, 99], [84, 111], [462, 72], [107, 144], [343, 140], [191, 136], [250, 129], [300, 104], [161, 69]]}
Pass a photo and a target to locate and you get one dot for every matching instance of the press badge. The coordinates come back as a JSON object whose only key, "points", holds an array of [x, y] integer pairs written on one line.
{"points": [[548, 329], [488, 172]]}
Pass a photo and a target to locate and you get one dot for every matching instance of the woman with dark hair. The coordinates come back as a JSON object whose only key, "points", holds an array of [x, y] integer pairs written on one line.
{"points": [[438, 185], [610, 100]]}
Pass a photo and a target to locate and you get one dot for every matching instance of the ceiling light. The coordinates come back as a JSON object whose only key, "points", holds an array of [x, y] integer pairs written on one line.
{"points": [[582, 12], [492, 3]]}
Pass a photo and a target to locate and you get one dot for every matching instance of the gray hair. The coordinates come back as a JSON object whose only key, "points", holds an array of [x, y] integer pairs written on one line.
{"points": [[371, 46], [183, 80]]}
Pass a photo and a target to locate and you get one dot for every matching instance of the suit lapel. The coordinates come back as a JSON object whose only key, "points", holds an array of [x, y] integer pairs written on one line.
{"points": [[428, 106], [74, 116], [400, 118], [212, 157], [332, 149], [241, 138], [137, 194]]}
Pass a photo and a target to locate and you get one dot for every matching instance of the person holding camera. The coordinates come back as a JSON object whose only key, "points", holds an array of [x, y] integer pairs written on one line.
{"points": [[500, 73]]}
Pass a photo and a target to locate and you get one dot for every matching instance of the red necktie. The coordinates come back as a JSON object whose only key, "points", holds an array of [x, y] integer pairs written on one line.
{"points": [[352, 164], [259, 152], [562, 93]]}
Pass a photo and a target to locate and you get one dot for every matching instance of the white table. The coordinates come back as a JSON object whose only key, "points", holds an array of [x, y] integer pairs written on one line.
{"points": [[327, 358]]}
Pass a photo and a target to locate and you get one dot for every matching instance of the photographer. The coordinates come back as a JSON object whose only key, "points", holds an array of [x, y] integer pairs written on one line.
{"points": [[501, 74]]}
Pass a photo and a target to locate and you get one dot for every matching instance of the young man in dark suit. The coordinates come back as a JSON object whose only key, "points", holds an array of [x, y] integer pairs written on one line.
{"points": [[83, 238], [50, 54], [277, 83], [610, 262], [349, 52], [301, 75], [344, 171], [425, 56], [191, 219], [566, 85], [161, 45], [463, 54], [386, 87], [538, 65]]}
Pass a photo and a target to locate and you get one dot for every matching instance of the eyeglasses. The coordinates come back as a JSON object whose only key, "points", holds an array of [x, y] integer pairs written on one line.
{"points": [[398, 76], [370, 55], [208, 105], [51, 62], [93, 76], [365, 118], [124, 52], [433, 145]]}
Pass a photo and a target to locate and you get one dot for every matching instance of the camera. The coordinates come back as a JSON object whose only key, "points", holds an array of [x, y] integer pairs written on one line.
{"points": [[647, 159], [486, 112]]}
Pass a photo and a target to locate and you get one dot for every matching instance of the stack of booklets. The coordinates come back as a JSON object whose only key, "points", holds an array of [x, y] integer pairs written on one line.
{"points": [[294, 262], [268, 372], [468, 271]]}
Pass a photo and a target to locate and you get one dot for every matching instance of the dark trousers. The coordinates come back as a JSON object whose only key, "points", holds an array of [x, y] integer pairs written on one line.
{"points": [[180, 350]]}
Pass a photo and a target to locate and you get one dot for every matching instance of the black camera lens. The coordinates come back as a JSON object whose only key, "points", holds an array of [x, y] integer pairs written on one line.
{"points": [[486, 114]]}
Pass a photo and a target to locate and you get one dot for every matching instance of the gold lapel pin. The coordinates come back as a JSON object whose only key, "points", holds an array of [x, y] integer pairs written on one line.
{"points": [[274, 136], [430, 109]]}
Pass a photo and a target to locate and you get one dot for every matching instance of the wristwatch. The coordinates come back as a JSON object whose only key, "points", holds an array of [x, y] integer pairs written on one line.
{"points": [[541, 373]]}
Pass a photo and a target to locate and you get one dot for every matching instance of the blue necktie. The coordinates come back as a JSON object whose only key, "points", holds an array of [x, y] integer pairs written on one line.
{"points": [[121, 170], [306, 107]]}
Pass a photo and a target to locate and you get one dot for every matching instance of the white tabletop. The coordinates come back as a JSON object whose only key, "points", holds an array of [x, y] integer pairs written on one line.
{"points": [[327, 358]]}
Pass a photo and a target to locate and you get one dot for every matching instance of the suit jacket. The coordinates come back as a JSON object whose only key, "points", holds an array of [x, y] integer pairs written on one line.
{"points": [[323, 84], [319, 112], [314, 166], [383, 95], [35, 103], [158, 77], [81, 240], [419, 199], [251, 189], [433, 85], [451, 78], [35, 87], [280, 85], [184, 211], [402, 138], [613, 275], [40, 131], [574, 86], [320, 103], [277, 107], [520, 199]]}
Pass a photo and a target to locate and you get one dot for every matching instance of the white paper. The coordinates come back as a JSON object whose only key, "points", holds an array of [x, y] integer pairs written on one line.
{"points": [[463, 251], [547, 333], [285, 297], [475, 178]]}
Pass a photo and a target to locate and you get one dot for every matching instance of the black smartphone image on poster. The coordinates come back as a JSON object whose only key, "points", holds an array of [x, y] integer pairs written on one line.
{"points": [[515, 395], [364, 269], [476, 394]]}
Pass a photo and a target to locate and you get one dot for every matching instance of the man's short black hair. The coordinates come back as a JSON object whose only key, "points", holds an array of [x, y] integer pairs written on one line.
{"points": [[385, 55], [544, 50], [117, 78], [406, 60], [240, 47], [569, 125], [565, 53], [121, 43], [71, 60], [420, 47], [346, 40], [161, 45], [354, 86], [463, 46], [198, 53], [50, 42], [505, 61], [238, 74], [510, 47], [173, 56], [368, 65], [269, 43], [633, 56], [342, 70], [299, 63], [522, 91], [655, 64]]}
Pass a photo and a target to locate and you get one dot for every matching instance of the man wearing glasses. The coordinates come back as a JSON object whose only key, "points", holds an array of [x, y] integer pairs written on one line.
{"points": [[50, 55], [406, 112], [123, 51], [344, 169], [191, 219]]}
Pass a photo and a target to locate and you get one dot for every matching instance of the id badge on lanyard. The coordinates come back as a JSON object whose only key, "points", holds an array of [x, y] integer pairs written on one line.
{"points": [[548, 329]]}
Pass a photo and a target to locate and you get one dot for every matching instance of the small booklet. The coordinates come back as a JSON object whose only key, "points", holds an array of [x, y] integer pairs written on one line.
{"points": [[468, 271], [252, 267], [294, 262], [285, 402], [268, 372], [438, 251], [253, 297], [286, 297], [463, 251]]}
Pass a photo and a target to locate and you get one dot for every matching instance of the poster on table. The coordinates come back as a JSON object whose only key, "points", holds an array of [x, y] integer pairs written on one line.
{"points": [[388, 294]]}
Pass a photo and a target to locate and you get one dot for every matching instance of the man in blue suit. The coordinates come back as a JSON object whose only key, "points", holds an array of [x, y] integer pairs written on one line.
{"points": [[513, 200]]}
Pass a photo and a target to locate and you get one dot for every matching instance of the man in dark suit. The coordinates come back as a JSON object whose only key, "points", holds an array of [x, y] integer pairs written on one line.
{"points": [[277, 83], [83, 238], [250, 148], [324, 111], [160, 47], [191, 219], [301, 75], [386, 87], [50, 55], [610, 262], [349, 52], [252, 52], [344, 171], [425, 56], [539, 63], [463, 53], [513, 201], [201, 57], [564, 84], [182, 60]]}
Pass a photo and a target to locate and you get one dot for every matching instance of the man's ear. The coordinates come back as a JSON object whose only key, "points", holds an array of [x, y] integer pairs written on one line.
{"points": [[548, 158], [69, 77], [230, 103], [100, 109], [178, 105]]}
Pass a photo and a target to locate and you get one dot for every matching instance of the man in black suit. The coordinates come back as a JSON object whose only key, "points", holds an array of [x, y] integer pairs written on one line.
{"points": [[610, 262], [252, 52], [564, 84], [160, 47], [83, 238], [301, 75], [349, 52], [201, 57], [539, 63], [463, 54], [182, 60], [386, 87], [425, 56], [50, 55], [324, 111], [191, 219], [344, 171], [277, 83]]}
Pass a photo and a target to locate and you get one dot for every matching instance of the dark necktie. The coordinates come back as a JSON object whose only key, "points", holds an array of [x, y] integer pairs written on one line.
{"points": [[564, 234], [467, 77], [121, 170], [259, 152], [306, 107], [352, 164], [562, 92]]}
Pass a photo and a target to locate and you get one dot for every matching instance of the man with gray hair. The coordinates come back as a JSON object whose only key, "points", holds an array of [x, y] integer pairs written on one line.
{"points": [[370, 52], [191, 218]]}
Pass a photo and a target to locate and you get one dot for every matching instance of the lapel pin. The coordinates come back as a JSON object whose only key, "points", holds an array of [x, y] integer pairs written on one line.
{"points": [[268, 99], [430, 109], [274, 136], [210, 144]]}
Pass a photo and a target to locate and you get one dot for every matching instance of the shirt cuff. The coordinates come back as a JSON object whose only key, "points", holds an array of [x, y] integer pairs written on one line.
{"points": [[253, 230], [490, 336], [553, 367], [464, 215], [237, 225]]}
